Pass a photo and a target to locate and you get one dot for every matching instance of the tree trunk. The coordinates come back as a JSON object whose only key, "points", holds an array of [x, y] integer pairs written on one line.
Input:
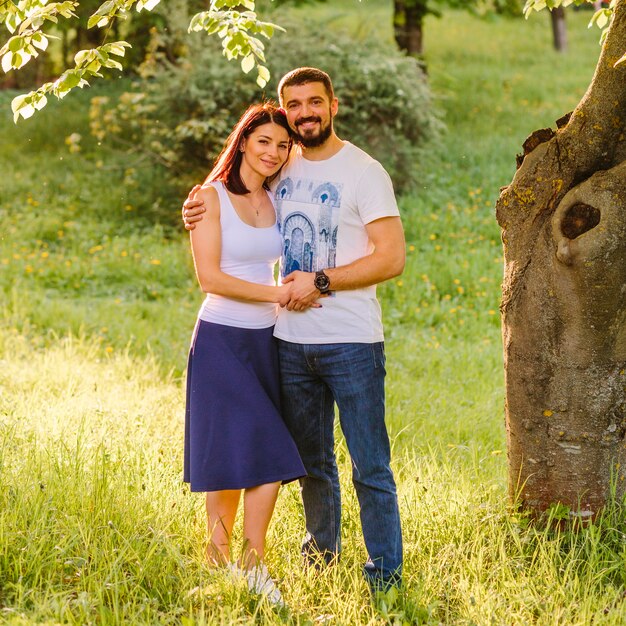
{"points": [[563, 220], [399, 23], [559, 28], [408, 21]]}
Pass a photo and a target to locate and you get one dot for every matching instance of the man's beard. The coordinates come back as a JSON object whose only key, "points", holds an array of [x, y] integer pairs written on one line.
{"points": [[317, 140]]}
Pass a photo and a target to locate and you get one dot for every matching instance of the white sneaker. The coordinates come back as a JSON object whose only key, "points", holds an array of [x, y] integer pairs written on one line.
{"points": [[260, 581], [235, 571]]}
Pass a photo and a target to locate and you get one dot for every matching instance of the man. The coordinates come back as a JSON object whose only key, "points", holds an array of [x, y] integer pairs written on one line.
{"points": [[342, 236]]}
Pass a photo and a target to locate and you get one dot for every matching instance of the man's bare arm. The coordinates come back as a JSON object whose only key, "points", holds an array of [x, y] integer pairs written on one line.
{"points": [[193, 209], [385, 262]]}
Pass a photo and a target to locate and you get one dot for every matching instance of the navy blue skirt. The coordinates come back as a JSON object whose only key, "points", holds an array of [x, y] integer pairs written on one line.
{"points": [[235, 437]]}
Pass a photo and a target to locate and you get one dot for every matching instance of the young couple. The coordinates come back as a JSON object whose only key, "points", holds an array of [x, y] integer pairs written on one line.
{"points": [[268, 363]]}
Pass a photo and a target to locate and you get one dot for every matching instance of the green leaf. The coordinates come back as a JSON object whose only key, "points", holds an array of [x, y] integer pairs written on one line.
{"points": [[26, 111], [247, 63], [118, 48], [603, 19], [6, 62], [12, 22], [16, 60], [263, 76], [69, 81], [18, 101], [150, 4], [112, 63], [81, 56], [263, 72], [15, 44], [40, 103], [40, 41]]}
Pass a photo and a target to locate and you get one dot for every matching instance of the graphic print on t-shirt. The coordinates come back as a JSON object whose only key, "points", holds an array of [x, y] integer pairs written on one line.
{"points": [[308, 218]]}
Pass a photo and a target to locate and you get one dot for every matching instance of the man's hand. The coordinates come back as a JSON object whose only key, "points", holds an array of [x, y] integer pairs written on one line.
{"points": [[303, 292], [192, 209]]}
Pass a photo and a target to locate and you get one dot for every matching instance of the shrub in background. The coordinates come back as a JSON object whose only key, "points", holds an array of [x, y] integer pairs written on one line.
{"points": [[178, 115]]}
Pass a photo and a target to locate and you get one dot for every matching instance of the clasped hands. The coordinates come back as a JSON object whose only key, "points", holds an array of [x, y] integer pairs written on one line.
{"points": [[302, 293], [297, 293]]}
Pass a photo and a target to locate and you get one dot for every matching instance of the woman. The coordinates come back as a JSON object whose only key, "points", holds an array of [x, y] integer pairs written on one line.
{"points": [[235, 439]]}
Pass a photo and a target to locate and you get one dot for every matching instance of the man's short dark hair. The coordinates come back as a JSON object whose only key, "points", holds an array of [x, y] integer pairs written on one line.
{"points": [[303, 75]]}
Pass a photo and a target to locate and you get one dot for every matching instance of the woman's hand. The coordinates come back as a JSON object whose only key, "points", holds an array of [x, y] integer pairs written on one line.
{"points": [[284, 295]]}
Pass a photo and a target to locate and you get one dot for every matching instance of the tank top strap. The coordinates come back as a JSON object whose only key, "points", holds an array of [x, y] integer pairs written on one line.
{"points": [[227, 210]]}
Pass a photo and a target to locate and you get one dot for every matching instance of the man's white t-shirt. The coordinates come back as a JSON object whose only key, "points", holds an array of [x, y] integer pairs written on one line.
{"points": [[322, 209]]}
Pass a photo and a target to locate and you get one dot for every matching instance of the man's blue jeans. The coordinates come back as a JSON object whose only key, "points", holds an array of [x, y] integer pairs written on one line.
{"points": [[313, 378]]}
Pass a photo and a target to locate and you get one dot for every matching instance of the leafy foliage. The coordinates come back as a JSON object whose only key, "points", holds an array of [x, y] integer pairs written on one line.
{"points": [[234, 21], [179, 115]]}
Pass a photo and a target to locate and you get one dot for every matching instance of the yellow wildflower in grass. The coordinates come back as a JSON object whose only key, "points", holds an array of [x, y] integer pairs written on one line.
{"points": [[411, 248], [155, 262], [73, 142], [432, 236], [399, 283]]}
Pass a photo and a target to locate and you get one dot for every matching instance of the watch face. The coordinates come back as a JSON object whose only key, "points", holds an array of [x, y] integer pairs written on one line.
{"points": [[322, 282]]}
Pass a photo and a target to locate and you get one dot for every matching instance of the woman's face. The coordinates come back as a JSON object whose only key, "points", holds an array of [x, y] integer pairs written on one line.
{"points": [[266, 149]]}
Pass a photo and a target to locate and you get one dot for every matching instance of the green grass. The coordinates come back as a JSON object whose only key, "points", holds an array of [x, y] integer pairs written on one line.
{"points": [[98, 302]]}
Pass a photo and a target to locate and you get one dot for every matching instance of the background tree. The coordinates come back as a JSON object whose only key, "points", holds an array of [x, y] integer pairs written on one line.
{"points": [[559, 28], [563, 220]]}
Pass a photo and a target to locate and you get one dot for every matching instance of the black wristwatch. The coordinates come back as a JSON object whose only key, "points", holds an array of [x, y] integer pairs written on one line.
{"points": [[321, 281]]}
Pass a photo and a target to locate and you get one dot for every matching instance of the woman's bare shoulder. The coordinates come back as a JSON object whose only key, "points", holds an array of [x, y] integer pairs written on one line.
{"points": [[209, 196]]}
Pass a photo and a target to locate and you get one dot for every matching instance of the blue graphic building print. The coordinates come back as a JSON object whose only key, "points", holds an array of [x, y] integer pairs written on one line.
{"points": [[308, 218]]}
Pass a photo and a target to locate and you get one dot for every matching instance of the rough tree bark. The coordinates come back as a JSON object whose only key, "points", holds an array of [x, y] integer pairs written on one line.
{"points": [[408, 19], [559, 28], [563, 220]]}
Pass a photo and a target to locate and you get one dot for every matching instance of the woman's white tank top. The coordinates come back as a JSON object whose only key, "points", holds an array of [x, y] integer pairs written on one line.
{"points": [[248, 253]]}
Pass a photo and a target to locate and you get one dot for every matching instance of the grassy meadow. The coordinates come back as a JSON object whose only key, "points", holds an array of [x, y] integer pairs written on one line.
{"points": [[98, 300]]}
